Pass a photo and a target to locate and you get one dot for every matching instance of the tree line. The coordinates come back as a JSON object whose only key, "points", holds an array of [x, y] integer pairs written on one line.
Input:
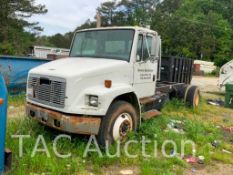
{"points": [[199, 29]]}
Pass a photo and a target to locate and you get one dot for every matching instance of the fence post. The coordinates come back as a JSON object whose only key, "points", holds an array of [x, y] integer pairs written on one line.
{"points": [[3, 119]]}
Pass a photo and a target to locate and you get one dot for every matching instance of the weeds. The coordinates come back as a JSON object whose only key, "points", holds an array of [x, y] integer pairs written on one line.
{"points": [[197, 127], [16, 100]]}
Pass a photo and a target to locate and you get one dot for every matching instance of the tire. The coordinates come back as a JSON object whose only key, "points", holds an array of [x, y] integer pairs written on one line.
{"points": [[192, 96], [121, 119]]}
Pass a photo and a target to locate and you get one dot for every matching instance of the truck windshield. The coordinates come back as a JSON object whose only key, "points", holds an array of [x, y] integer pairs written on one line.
{"points": [[112, 44]]}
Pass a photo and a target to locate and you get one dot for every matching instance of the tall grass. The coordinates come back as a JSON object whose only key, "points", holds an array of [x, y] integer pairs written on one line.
{"points": [[196, 128]]}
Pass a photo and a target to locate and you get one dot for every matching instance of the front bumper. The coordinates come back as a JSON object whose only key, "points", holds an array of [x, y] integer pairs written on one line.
{"points": [[70, 123]]}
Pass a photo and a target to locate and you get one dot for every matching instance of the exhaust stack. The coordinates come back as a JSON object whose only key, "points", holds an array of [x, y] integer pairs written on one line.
{"points": [[98, 20]]}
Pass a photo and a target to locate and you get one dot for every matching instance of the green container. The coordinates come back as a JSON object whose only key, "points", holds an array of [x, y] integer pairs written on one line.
{"points": [[229, 95]]}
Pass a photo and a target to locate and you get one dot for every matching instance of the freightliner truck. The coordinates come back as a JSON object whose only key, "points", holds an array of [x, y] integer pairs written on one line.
{"points": [[107, 86]]}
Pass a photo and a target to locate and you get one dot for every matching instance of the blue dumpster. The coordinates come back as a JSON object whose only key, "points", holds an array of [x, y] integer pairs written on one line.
{"points": [[15, 71], [3, 119]]}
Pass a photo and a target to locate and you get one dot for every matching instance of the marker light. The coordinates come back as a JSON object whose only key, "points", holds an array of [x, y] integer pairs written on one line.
{"points": [[108, 83], [1, 101]]}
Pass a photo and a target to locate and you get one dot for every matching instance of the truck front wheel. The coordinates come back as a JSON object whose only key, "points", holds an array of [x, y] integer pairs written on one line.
{"points": [[121, 119]]}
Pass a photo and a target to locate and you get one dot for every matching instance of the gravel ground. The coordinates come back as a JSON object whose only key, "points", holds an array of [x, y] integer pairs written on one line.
{"points": [[206, 84], [16, 112], [216, 169]]}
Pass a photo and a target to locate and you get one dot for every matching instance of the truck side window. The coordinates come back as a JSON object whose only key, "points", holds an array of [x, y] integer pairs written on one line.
{"points": [[144, 47], [139, 47], [147, 45]]}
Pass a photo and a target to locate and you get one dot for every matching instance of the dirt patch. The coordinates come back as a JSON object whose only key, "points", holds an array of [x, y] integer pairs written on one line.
{"points": [[16, 112], [206, 84], [115, 170], [214, 169]]}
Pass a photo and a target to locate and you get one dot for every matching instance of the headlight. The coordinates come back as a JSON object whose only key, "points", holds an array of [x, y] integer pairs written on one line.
{"points": [[93, 101]]}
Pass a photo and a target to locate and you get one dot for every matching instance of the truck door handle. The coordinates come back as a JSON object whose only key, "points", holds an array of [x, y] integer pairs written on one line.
{"points": [[153, 77], [1, 101]]}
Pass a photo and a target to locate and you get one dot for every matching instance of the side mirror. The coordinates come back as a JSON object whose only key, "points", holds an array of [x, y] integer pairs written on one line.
{"points": [[156, 42]]}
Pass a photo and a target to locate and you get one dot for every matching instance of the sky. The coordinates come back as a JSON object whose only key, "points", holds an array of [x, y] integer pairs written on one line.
{"points": [[65, 15]]}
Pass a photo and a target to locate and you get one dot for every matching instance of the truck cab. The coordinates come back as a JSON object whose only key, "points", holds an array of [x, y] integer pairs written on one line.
{"points": [[100, 89]]}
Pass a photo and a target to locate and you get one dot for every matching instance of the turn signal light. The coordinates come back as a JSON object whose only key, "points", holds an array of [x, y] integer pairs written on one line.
{"points": [[108, 83]]}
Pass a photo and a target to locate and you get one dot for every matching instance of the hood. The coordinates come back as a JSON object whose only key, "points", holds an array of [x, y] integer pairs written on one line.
{"points": [[69, 67]]}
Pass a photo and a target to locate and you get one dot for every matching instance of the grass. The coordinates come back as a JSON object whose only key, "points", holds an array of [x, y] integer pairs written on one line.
{"points": [[199, 126], [16, 100]]}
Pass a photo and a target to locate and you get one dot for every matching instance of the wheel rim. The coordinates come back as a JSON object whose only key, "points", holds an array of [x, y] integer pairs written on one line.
{"points": [[122, 126]]}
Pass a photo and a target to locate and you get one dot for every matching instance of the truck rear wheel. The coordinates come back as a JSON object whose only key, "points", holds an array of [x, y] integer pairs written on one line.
{"points": [[121, 119], [192, 96]]}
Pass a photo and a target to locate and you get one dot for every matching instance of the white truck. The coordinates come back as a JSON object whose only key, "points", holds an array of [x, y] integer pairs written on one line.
{"points": [[225, 75], [107, 85]]}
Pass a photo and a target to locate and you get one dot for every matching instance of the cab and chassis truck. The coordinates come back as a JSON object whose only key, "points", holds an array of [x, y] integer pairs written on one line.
{"points": [[107, 86]]}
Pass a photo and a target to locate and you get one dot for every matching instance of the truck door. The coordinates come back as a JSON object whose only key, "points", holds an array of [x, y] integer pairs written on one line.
{"points": [[145, 66]]}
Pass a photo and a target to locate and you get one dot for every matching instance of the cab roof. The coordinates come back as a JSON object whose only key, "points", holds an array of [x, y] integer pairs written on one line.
{"points": [[136, 28]]}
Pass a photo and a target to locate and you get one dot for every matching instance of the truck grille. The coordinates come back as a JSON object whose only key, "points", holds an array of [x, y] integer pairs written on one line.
{"points": [[48, 91]]}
